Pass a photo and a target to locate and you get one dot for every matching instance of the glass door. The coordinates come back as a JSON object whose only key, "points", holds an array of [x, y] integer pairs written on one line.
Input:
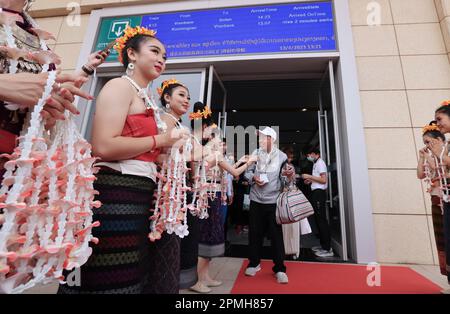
{"points": [[330, 150]]}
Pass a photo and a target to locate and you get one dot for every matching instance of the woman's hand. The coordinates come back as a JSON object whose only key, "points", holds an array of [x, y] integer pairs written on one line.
{"points": [[63, 96], [437, 146], [23, 89], [176, 137], [97, 58], [26, 89], [258, 181], [243, 160], [423, 153]]}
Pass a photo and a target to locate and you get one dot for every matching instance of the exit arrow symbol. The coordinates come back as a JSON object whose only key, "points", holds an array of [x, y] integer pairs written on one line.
{"points": [[118, 27]]}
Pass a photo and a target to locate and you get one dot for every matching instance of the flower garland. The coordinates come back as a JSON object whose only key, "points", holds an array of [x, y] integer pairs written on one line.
{"points": [[171, 206], [442, 174], [149, 103], [199, 205], [216, 173], [429, 177], [44, 232]]}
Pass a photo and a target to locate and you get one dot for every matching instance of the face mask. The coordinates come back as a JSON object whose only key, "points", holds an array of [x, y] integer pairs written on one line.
{"points": [[311, 159]]}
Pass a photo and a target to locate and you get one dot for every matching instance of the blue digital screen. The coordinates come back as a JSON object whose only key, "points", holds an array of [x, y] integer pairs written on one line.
{"points": [[286, 28]]}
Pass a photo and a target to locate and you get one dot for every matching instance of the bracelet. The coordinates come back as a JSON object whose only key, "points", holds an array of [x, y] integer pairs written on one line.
{"points": [[88, 70], [154, 143]]}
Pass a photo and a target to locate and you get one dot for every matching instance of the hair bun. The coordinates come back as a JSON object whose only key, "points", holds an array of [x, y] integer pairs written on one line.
{"points": [[198, 106], [201, 112]]}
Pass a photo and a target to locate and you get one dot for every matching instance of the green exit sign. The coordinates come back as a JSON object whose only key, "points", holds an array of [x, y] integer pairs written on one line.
{"points": [[111, 29]]}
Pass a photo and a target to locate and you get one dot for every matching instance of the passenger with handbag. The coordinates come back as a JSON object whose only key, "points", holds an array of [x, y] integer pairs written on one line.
{"points": [[264, 179], [290, 215]]}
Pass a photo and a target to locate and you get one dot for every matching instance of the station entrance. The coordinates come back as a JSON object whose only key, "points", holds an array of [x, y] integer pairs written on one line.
{"points": [[295, 96]]}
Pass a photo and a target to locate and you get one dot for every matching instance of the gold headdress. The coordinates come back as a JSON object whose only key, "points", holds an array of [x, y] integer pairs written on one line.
{"points": [[430, 128], [166, 84], [128, 34], [201, 114]]}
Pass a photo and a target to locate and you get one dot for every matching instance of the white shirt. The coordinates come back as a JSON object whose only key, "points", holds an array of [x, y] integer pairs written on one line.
{"points": [[319, 168]]}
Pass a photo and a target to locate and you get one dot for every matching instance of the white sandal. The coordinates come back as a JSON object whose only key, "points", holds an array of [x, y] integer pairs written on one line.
{"points": [[213, 283], [200, 288]]}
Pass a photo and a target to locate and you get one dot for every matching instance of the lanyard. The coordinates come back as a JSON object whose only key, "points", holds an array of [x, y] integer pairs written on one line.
{"points": [[271, 156]]}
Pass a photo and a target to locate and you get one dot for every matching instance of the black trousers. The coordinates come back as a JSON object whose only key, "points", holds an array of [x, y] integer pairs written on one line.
{"points": [[237, 214], [318, 201], [447, 238], [262, 220]]}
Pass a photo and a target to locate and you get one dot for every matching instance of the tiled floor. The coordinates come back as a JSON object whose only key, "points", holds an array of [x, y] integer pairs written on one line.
{"points": [[432, 273], [226, 269]]}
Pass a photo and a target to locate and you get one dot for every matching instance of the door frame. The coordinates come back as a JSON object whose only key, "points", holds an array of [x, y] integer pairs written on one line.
{"points": [[337, 135], [362, 247], [223, 114]]}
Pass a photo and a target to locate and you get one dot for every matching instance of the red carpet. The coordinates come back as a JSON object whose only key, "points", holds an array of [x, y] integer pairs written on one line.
{"points": [[308, 278]]}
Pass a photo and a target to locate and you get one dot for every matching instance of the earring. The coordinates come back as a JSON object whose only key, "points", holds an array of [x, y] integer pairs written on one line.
{"points": [[130, 69], [167, 106]]}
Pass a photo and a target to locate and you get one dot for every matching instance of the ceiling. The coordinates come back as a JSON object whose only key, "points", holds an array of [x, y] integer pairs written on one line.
{"points": [[292, 105], [283, 93], [310, 68], [285, 68]]}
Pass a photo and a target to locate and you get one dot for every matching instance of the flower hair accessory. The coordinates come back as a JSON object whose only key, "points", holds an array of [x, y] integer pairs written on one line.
{"points": [[430, 128], [445, 103], [201, 114], [128, 34], [166, 84]]}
